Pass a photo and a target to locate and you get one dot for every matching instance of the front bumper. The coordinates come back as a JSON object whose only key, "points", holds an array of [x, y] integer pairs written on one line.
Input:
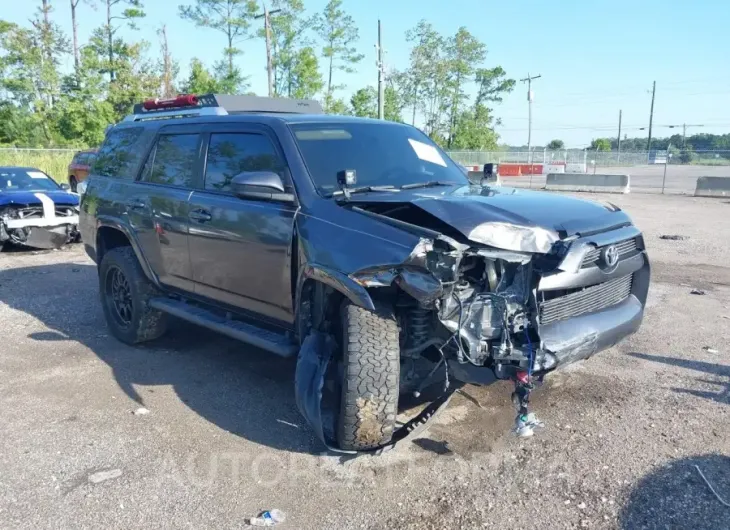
{"points": [[578, 338], [42, 222]]}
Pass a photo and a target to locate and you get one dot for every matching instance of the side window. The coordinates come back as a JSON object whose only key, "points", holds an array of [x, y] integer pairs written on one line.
{"points": [[232, 153], [120, 154], [172, 161]]}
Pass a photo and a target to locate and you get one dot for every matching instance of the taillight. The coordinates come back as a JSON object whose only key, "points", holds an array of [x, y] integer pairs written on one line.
{"points": [[187, 100]]}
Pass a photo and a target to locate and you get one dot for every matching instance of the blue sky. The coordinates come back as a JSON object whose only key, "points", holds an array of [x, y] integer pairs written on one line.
{"points": [[594, 57]]}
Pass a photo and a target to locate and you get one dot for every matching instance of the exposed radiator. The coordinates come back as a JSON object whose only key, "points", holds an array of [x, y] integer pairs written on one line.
{"points": [[586, 300]]}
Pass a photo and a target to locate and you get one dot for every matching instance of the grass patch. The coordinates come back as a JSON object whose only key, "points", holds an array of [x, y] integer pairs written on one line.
{"points": [[53, 163]]}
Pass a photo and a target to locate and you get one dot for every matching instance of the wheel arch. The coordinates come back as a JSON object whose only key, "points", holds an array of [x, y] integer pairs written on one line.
{"points": [[112, 234]]}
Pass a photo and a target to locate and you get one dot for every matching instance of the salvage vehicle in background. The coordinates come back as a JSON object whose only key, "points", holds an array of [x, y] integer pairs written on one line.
{"points": [[78, 169], [357, 245], [35, 211]]}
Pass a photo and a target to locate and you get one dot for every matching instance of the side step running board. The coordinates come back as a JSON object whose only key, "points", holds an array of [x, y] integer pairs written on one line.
{"points": [[261, 338]]}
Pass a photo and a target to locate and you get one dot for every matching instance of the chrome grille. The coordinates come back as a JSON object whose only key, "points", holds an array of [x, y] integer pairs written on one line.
{"points": [[587, 300], [624, 248]]}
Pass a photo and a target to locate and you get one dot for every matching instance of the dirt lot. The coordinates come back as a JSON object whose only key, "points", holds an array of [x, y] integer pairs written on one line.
{"points": [[223, 439]]}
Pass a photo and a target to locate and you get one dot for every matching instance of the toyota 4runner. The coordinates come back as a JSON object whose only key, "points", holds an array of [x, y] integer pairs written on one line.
{"points": [[356, 244]]}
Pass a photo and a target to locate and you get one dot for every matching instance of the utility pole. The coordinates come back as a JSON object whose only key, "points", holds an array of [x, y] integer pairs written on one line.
{"points": [[266, 15], [651, 115], [684, 130], [619, 136], [381, 75], [528, 80]]}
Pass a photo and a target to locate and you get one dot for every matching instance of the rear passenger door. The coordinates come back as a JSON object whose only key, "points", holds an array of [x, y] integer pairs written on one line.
{"points": [[158, 208], [241, 248]]}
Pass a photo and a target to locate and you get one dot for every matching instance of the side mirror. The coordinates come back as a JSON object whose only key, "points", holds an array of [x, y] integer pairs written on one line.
{"points": [[65, 187], [265, 185]]}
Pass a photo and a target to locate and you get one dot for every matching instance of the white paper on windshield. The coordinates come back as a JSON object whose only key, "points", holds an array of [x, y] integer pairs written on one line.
{"points": [[427, 153], [37, 175]]}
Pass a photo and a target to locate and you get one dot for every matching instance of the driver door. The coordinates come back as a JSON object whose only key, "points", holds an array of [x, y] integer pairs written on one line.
{"points": [[240, 249]]}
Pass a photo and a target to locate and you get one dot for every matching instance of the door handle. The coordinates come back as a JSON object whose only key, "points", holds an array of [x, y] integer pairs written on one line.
{"points": [[200, 215], [136, 204]]}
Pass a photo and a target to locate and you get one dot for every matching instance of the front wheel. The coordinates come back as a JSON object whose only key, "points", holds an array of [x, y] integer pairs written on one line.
{"points": [[370, 378], [125, 292]]}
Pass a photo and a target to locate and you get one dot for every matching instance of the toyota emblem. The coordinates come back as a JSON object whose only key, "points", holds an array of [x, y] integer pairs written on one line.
{"points": [[610, 256]]}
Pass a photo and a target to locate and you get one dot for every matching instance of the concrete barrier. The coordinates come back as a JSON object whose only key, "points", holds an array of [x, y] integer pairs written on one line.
{"points": [[575, 168], [587, 182], [713, 187]]}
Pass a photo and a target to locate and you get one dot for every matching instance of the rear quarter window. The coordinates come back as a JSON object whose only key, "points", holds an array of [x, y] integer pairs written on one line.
{"points": [[121, 153]]}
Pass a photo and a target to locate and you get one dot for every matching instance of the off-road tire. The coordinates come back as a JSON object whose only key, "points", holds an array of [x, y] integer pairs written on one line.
{"points": [[370, 377], [145, 323]]}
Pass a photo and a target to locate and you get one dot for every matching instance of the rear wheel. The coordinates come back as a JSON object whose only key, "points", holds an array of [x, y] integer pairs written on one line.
{"points": [[125, 292], [370, 379]]}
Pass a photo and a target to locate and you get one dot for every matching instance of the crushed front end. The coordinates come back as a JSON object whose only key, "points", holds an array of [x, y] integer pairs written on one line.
{"points": [[44, 226], [540, 302]]}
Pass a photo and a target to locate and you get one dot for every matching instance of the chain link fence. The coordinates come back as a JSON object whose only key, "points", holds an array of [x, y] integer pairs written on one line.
{"points": [[674, 172]]}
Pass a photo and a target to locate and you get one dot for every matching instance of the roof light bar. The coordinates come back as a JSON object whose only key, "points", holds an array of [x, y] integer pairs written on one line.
{"points": [[185, 100]]}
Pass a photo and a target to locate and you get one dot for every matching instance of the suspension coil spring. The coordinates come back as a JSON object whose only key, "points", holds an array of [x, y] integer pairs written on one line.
{"points": [[418, 324]]}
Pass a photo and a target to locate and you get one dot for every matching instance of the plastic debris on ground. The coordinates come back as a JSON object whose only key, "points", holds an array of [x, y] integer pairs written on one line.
{"points": [[710, 349], [525, 425], [268, 518], [141, 411], [101, 476], [673, 237], [697, 291]]}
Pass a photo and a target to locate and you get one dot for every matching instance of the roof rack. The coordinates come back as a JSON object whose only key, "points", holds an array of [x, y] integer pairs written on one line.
{"points": [[219, 105]]}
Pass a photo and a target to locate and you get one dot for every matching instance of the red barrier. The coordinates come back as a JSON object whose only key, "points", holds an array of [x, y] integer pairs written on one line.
{"points": [[517, 170], [509, 170]]}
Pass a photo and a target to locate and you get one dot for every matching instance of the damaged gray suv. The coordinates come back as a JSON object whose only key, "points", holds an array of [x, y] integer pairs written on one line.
{"points": [[356, 245]]}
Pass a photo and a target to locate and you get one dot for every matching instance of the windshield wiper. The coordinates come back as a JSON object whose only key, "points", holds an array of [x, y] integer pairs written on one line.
{"points": [[429, 184], [364, 189]]}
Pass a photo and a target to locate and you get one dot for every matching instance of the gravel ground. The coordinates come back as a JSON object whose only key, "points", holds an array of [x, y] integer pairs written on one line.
{"points": [[222, 438]]}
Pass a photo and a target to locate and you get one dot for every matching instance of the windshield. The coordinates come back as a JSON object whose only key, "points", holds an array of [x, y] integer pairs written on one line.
{"points": [[381, 153], [12, 179]]}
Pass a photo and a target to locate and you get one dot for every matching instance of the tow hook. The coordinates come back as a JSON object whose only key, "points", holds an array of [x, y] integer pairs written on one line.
{"points": [[526, 422]]}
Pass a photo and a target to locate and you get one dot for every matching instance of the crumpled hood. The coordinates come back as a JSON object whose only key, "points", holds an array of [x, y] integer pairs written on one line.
{"points": [[29, 197], [508, 218]]}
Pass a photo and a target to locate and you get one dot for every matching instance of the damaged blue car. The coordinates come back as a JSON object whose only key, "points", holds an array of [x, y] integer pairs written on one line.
{"points": [[35, 211]]}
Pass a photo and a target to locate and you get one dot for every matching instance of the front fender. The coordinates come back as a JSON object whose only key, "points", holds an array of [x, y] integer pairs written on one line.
{"points": [[338, 281]]}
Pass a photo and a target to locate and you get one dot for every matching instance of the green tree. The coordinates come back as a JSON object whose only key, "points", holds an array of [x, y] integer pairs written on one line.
{"points": [[364, 103], [200, 80], [129, 15], [492, 85], [601, 144], [474, 130], [428, 77], [29, 74], [336, 106], [303, 78], [83, 112], [232, 18], [339, 32], [295, 65], [463, 53], [556, 144]]}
